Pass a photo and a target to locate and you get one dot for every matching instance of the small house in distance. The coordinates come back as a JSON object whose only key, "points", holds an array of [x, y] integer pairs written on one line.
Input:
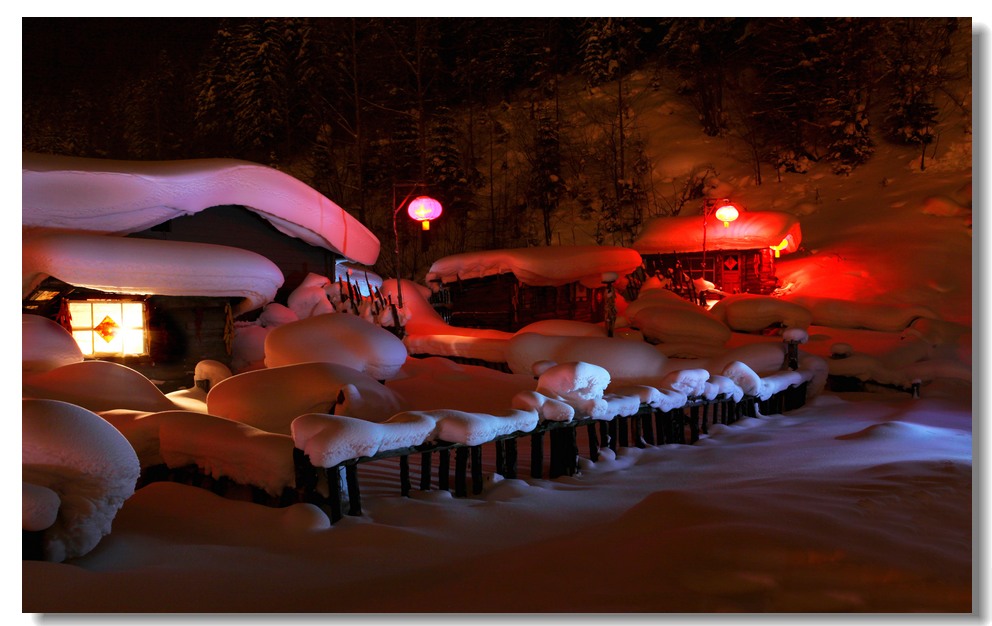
{"points": [[510, 288], [737, 256]]}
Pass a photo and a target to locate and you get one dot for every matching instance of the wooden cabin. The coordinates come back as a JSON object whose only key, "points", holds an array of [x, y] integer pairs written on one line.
{"points": [[738, 257], [511, 288]]}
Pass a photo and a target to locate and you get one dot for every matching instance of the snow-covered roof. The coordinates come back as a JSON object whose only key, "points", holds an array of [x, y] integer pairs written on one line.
{"points": [[753, 229], [121, 197], [539, 267], [149, 266]]}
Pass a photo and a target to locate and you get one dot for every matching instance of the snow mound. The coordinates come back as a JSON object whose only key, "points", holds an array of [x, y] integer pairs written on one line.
{"points": [[628, 362], [691, 382], [473, 429], [97, 386], [275, 314], [39, 507], [656, 297], [579, 385], [550, 409], [270, 399], [45, 345], [87, 463], [943, 206], [752, 313], [837, 313], [563, 328], [439, 383], [224, 448], [336, 338], [310, 297], [248, 346], [680, 324], [332, 439]]}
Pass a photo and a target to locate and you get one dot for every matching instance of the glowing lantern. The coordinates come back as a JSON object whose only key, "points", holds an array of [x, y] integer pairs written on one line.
{"points": [[726, 214], [424, 209], [781, 246]]}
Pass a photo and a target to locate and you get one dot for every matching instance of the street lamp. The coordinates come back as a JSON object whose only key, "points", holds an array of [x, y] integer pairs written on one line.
{"points": [[723, 210], [423, 209]]}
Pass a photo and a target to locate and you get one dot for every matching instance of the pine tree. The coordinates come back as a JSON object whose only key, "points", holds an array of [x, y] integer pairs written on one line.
{"points": [[704, 52], [917, 56], [546, 181]]}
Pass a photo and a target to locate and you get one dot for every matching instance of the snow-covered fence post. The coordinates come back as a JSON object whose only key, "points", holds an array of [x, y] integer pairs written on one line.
{"points": [[476, 470], [593, 443], [354, 493], [916, 388], [647, 426], [333, 475], [793, 337], [537, 455]]}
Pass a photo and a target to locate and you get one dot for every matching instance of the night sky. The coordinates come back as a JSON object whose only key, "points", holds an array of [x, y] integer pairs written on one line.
{"points": [[59, 53]]}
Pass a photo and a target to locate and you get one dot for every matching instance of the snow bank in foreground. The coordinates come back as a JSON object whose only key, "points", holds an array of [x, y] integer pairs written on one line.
{"points": [[45, 345], [336, 338], [86, 462], [97, 386], [270, 399]]}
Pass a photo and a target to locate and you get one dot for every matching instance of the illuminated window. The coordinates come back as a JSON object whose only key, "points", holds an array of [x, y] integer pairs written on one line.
{"points": [[109, 327]]}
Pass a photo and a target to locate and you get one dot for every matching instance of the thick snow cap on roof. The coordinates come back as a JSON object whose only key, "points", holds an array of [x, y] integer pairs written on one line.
{"points": [[150, 266], [539, 267], [753, 229], [121, 197]]}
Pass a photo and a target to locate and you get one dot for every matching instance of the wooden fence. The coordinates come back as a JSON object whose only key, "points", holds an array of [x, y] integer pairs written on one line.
{"points": [[648, 427]]}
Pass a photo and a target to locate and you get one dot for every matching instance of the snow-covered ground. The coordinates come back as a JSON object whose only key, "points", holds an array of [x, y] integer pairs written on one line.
{"points": [[857, 502]]}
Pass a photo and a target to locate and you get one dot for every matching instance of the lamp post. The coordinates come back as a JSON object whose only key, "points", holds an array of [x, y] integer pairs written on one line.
{"points": [[725, 211], [423, 209]]}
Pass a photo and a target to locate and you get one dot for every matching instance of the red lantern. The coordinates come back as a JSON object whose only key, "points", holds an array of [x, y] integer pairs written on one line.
{"points": [[727, 213], [424, 209]]}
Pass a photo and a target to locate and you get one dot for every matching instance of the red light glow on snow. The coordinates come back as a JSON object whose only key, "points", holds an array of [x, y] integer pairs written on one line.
{"points": [[424, 209]]}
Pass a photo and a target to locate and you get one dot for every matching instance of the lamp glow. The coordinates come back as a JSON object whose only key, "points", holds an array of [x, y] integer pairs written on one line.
{"points": [[781, 246], [726, 214], [424, 209]]}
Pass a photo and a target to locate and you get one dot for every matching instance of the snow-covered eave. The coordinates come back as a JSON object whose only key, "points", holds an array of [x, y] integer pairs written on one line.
{"points": [[121, 197], [123, 265], [751, 231], [552, 266]]}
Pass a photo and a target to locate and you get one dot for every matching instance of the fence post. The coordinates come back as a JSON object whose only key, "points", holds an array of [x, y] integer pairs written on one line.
{"points": [[404, 475], [354, 493], [425, 471], [537, 455], [443, 469]]}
